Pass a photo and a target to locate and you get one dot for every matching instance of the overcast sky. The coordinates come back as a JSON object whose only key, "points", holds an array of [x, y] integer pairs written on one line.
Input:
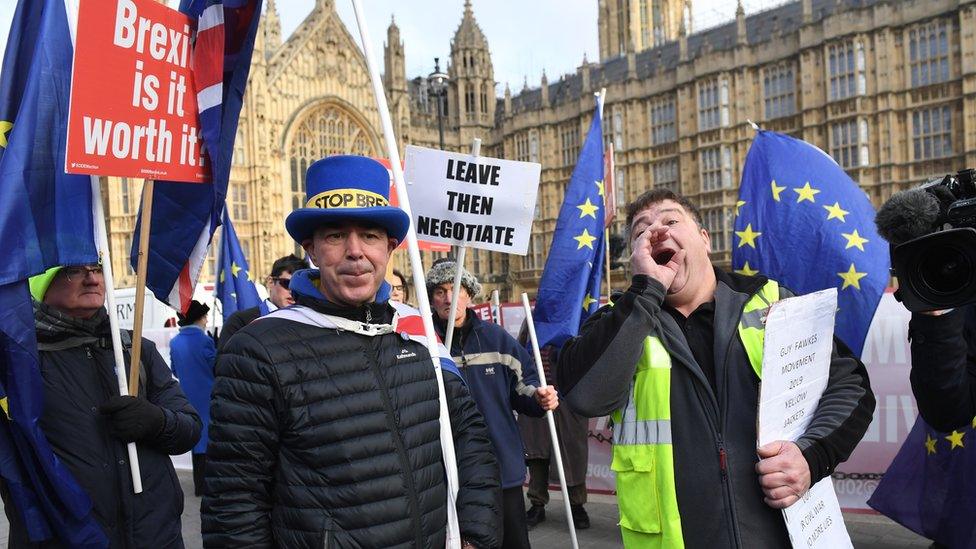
{"points": [[525, 37]]}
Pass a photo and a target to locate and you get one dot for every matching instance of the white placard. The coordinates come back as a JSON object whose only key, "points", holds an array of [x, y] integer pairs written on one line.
{"points": [[796, 365], [477, 201]]}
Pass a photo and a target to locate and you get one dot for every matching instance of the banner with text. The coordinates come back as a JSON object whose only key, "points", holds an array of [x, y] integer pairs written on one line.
{"points": [[461, 199], [133, 109]]}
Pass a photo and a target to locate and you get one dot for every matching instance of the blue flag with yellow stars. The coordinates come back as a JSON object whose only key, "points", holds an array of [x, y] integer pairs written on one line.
{"points": [[235, 284], [569, 290], [930, 486], [802, 221], [45, 220]]}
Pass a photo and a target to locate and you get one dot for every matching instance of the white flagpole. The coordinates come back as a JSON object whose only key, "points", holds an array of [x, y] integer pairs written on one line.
{"points": [[552, 421], [420, 285], [496, 309], [101, 241], [459, 264]]}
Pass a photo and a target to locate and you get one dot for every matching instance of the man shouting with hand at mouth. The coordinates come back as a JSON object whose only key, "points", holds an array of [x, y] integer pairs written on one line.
{"points": [[676, 361]]}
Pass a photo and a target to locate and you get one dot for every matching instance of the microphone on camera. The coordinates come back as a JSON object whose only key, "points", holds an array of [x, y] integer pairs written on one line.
{"points": [[908, 215]]}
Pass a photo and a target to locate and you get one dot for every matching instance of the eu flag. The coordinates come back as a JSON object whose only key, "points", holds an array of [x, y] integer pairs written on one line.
{"points": [[186, 215], [930, 487], [569, 290], [235, 288], [802, 221], [45, 220]]}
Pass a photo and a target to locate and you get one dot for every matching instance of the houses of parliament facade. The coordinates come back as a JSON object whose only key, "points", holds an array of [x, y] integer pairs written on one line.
{"points": [[886, 87]]}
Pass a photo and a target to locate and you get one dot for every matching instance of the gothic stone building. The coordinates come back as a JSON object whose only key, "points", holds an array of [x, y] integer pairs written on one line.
{"points": [[884, 86]]}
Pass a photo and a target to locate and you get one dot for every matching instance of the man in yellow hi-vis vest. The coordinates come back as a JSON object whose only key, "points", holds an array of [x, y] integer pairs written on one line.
{"points": [[676, 362]]}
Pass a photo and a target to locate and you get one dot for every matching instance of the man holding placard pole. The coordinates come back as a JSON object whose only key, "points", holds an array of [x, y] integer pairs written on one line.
{"points": [[502, 379], [676, 361]]}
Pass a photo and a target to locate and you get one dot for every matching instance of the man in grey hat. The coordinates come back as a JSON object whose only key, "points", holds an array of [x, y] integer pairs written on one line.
{"points": [[501, 376]]}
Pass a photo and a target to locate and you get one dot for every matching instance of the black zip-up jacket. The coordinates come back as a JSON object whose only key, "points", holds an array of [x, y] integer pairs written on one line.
{"points": [[76, 382], [944, 367], [721, 504], [329, 438]]}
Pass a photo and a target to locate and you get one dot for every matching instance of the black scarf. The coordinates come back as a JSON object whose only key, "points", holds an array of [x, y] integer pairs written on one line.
{"points": [[57, 331]]}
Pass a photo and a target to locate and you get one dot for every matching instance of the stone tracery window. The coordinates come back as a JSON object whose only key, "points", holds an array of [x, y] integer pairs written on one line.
{"points": [[326, 130]]}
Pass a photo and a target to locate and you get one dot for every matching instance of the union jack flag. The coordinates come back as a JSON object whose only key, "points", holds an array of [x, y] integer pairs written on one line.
{"points": [[185, 215]]}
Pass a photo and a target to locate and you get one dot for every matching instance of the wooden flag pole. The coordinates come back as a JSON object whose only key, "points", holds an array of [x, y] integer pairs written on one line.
{"points": [[142, 267], [459, 264], [551, 419], [101, 240]]}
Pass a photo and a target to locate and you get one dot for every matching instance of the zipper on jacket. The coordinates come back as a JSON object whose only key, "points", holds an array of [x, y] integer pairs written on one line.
{"points": [[722, 460], [393, 422], [89, 353]]}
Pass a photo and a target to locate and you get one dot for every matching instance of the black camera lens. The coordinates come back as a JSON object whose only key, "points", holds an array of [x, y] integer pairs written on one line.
{"points": [[945, 269]]}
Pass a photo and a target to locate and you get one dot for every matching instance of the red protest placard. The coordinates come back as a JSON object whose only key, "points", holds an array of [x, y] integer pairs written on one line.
{"points": [[133, 106]]}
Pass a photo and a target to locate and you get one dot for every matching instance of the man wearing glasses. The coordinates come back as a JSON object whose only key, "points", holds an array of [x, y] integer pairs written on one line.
{"points": [[88, 424], [278, 296]]}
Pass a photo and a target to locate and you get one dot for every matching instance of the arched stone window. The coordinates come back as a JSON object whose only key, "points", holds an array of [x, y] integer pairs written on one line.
{"points": [[324, 130]]}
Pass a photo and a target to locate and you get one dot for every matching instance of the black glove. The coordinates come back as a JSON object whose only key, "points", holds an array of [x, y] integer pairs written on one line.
{"points": [[133, 419]]}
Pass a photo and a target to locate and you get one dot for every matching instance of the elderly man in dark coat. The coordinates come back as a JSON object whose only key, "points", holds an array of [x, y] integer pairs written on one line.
{"points": [[88, 424]]}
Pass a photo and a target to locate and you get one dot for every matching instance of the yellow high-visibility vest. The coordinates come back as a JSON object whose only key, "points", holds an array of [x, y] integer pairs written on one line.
{"points": [[643, 458]]}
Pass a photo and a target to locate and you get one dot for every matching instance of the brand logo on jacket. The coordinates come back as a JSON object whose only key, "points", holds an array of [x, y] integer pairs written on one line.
{"points": [[405, 353], [490, 371]]}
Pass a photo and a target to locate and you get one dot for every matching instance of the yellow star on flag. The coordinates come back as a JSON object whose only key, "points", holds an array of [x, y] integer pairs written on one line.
{"points": [[5, 127], [588, 209], [854, 240], [738, 205], [929, 444], [587, 301], [852, 278], [584, 239], [599, 185], [836, 212], [776, 190], [974, 423], [234, 269], [748, 236], [3, 404], [955, 438], [746, 270], [222, 276], [806, 192]]}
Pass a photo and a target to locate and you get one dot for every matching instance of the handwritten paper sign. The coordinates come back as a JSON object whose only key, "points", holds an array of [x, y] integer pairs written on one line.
{"points": [[796, 366]]}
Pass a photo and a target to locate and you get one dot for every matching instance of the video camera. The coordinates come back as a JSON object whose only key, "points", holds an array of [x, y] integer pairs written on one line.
{"points": [[932, 232]]}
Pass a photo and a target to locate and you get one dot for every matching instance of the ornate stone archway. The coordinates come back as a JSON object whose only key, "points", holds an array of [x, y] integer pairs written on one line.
{"points": [[324, 129]]}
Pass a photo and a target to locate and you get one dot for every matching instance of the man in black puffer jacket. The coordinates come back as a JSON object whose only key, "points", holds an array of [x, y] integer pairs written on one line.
{"points": [[324, 415]]}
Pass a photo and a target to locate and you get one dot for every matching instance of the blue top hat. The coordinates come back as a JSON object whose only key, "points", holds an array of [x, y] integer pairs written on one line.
{"points": [[347, 188]]}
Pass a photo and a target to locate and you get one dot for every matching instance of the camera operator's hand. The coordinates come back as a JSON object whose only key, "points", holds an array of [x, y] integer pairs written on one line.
{"points": [[133, 419]]}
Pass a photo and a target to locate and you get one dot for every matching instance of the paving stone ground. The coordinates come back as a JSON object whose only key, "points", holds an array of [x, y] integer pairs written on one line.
{"points": [[868, 531]]}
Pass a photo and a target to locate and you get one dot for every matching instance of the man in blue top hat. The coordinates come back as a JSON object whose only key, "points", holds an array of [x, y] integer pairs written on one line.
{"points": [[324, 416]]}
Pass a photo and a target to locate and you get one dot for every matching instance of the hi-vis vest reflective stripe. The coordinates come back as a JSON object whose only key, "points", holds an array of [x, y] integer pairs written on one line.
{"points": [[642, 452]]}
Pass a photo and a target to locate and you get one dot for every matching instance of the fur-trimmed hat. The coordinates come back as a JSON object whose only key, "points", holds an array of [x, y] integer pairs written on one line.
{"points": [[443, 273]]}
